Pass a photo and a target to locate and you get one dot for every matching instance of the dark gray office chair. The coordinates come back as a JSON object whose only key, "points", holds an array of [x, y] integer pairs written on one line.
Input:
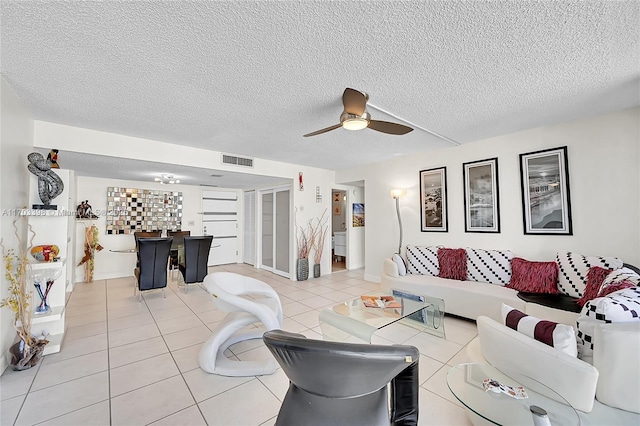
{"points": [[332, 383], [196, 256], [151, 273]]}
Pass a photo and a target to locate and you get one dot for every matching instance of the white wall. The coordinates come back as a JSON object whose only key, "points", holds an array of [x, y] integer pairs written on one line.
{"points": [[604, 176], [16, 141], [109, 264]]}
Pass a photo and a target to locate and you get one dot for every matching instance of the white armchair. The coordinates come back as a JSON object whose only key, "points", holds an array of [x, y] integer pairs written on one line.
{"points": [[231, 293]]}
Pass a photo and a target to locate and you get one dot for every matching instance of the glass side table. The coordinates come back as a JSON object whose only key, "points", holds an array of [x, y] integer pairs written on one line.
{"points": [[465, 382]]}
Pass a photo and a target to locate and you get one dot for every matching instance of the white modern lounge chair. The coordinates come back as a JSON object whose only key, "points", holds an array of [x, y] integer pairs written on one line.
{"points": [[231, 293]]}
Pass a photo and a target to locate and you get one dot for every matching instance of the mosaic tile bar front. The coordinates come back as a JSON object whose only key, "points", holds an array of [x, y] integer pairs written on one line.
{"points": [[130, 210]]}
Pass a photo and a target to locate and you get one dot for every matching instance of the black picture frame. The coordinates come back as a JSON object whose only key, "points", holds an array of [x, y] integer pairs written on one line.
{"points": [[481, 196], [433, 200], [546, 201]]}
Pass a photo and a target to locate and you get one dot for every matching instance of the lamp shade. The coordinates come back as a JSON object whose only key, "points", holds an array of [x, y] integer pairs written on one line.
{"points": [[397, 193]]}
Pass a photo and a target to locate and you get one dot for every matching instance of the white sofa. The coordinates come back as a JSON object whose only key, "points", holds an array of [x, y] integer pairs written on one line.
{"points": [[469, 299], [606, 393]]}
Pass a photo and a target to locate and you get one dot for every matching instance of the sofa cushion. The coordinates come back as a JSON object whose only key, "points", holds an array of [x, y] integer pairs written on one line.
{"points": [[467, 299], [534, 277], [559, 336], [573, 269], [595, 278], [621, 306], [399, 261], [489, 266], [453, 263], [422, 260]]}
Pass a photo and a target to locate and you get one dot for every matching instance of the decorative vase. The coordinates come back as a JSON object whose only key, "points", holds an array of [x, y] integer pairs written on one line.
{"points": [[302, 269], [316, 270], [45, 253], [23, 356], [46, 277]]}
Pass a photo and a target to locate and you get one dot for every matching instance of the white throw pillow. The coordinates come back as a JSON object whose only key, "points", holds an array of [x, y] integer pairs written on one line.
{"points": [[423, 260], [399, 261], [489, 266], [573, 269], [560, 336]]}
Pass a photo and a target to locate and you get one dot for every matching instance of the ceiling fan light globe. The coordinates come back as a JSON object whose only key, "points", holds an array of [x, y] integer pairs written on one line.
{"points": [[354, 122]]}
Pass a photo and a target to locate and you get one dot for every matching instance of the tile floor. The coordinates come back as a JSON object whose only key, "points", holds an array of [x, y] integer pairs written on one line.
{"points": [[129, 363]]}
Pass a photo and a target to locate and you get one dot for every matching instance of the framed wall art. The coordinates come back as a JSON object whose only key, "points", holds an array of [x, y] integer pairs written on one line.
{"points": [[358, 214], [481, 199], [546, 203], [433, 200]]}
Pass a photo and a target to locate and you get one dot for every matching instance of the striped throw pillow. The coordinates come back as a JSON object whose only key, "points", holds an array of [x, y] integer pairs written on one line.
{"points": [[560, 336], [573, 269], [423, 260], [489, 266]]}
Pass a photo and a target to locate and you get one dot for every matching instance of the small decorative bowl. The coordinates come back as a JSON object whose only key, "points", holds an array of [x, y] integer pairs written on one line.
{"points": [[45, 253]]}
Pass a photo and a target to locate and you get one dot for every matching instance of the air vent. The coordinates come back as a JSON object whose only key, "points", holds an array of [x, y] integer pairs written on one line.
{"points": [[238, 161]]}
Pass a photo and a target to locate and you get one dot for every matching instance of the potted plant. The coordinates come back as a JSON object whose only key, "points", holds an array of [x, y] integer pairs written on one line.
{"points": [[306, 238], [26, 352]]}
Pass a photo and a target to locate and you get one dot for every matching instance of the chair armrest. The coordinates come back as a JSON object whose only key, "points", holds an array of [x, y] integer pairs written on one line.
{"points": [[508, 350], [404, 396], [390, 268], [615, 355]]}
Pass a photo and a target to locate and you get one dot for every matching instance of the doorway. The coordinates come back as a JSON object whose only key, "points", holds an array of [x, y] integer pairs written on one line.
{"points": [[275, 228], [339, 230], [220, 219]]}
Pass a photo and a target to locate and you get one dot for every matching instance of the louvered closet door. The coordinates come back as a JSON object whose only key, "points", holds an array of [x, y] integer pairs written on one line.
{"points": [[220, 219], [249, 246]]}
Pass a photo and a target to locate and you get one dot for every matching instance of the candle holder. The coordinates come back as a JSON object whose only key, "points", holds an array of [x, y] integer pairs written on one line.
{"points": [[47, 277]]}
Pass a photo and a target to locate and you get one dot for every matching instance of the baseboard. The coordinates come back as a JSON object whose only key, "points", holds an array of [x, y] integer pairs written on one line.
{"points": [[5, 361], [372, 278], [110, 276]]}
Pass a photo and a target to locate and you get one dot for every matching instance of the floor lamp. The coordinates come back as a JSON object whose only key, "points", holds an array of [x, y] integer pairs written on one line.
{"points": [[396, 194]]}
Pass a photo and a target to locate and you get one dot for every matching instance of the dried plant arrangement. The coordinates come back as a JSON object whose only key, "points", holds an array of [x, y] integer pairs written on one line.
{"points": [[320, 231], [305, 237], [17, 273]]}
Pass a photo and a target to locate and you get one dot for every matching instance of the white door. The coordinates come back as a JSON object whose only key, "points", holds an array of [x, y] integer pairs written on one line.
{"points": [[249, 246], [220, 219]]}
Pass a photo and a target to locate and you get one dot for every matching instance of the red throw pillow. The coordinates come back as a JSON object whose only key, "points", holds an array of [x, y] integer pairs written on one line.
{"points": [[453, 263], [595, 277], [534, 277], [615, 287]]}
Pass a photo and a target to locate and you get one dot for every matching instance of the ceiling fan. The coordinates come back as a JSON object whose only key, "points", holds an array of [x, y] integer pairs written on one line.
{"points": [[356, 117]]}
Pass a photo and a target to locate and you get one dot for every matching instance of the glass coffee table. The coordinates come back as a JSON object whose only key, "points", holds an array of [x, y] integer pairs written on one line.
{"points": [[486, 407], [353, 321]]}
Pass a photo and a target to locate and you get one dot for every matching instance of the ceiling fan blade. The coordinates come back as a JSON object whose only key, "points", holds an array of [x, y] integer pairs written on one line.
{"points": [[390, 128], [317, 132], [354, 102]]}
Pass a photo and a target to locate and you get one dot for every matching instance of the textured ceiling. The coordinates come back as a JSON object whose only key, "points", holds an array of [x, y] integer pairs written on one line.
{"points": [[146, 171], [251, 78]]}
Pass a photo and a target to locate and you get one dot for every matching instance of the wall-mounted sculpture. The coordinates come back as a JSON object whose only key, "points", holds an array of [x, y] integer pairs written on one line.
{"points": [[49, 184], [130, 210]]}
